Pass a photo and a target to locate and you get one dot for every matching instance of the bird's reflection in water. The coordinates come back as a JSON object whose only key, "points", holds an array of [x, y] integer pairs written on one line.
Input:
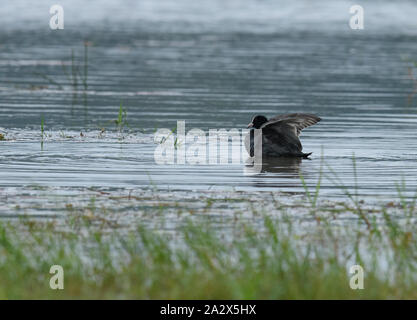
{"points": [[289, 166], [279, 172]]}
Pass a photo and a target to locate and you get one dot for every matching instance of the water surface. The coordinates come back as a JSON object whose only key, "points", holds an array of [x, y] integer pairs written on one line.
{"points": [[213, 64]]}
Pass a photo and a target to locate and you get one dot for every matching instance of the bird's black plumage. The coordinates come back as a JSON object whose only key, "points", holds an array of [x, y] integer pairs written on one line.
{"points": [[280, 134]]}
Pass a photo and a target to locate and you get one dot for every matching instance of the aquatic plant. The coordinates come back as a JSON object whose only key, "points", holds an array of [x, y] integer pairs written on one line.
{"points": [[276, 261], [76, 74], [410, 70], [85, 74], [42, 131], [42, 127], [121, 121], [47, 78], [312, 198], [177, 142]]}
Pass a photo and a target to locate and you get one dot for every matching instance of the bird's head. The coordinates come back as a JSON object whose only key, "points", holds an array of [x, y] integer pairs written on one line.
{"points": [[257, 122]]}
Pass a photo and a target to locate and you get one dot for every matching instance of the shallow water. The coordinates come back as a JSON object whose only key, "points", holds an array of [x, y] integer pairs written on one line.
{"points": [[213, 65]]}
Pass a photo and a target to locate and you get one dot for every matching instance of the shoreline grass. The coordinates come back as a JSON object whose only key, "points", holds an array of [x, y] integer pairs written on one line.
{"points": [[278, 257]]}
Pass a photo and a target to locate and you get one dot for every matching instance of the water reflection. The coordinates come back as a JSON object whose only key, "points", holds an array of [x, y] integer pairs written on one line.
{"points": [[288, 167], [285, 167]]}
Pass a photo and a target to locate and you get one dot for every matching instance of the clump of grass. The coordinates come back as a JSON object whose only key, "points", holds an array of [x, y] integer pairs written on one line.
{"points": [[279, 257], [354, 198], [410, 70], [273, 254], [77, 73], [2, 137], [84, 77], [313, 197], [48, 79], [42, 127], [121, 121], [177, 142], [42, 131], [144, 264]]}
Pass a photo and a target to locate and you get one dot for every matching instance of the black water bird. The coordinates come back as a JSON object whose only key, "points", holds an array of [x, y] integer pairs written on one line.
{"points": [[280, 134]]}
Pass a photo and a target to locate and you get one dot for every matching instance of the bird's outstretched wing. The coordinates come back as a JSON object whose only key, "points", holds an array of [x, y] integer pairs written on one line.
{"points": [[296, 121]]}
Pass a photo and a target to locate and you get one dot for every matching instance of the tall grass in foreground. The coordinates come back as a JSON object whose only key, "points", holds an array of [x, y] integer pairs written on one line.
{"points": [[281, 258], [145, 264]]}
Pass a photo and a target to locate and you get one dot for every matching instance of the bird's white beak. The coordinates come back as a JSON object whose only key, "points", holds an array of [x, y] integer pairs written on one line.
{"points": [[250, 125]]}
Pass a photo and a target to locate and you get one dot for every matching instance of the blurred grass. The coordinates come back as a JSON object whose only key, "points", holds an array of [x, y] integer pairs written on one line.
{"points": [[281, 258]]}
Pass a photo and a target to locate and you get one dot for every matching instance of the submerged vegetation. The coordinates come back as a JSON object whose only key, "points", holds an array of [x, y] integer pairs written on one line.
{"points": [[42, 131], [411, 65], [121, 124], [146, 245], [77, 73]]}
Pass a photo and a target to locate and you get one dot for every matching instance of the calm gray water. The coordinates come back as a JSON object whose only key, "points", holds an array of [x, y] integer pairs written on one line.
{"points": [[213, 64]]}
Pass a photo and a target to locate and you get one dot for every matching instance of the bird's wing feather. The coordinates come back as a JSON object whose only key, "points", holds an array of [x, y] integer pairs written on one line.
{"points": [[297, 121]]}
